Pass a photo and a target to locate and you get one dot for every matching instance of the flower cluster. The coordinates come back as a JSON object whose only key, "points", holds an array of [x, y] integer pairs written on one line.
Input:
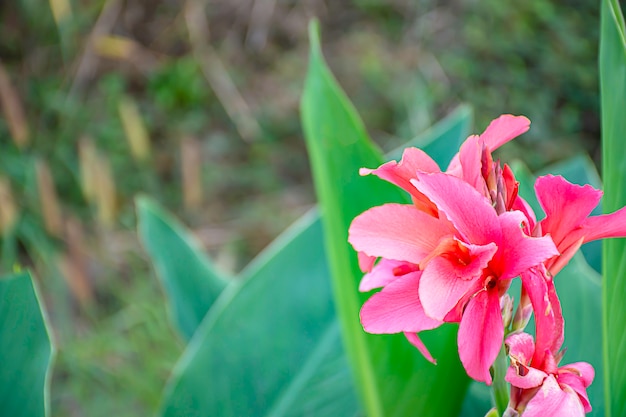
{"points": [[452, 254]]}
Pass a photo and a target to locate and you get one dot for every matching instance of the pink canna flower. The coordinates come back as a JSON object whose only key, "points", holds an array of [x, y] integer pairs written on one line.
{"points": [[567, 207], [459, 264], [545, 389], [473, 164]]}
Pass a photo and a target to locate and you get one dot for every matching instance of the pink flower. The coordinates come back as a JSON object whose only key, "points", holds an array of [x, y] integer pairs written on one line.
{"points": [[463, 259], [473, 164], [546, 389], [567, 207]]}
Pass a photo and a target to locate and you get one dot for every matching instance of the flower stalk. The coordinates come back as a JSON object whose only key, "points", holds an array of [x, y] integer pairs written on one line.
{"points": [[500, 390]]}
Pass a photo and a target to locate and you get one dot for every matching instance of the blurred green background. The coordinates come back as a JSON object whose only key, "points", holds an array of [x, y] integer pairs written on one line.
{"points": [[196, 104]]}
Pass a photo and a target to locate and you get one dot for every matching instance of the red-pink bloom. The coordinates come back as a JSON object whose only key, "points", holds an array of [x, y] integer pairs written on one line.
{"points": [[541, 390], [463, 259], [473, 164], [568, 207]]}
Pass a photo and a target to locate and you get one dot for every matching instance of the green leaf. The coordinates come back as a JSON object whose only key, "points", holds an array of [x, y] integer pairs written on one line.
{"points": [[393, 379], [270, 346], [613, 102], [190, 280], [25, 349]]}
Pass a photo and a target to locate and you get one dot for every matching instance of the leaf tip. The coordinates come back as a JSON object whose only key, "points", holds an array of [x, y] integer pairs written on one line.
{"points": [[314, 36]]}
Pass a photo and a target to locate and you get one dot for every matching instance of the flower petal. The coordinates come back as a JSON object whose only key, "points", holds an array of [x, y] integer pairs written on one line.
{"points": [[521, 346], [566, 205], [553, 401], [417, 342], [366, 263], [520, 374], [606, 225], [577, 382], [503, 129], [549, 322], [480, 335], [522, 205], [468, 210], [499, 132], [517, 251], [524, 377], [401, 173], [470, 158], [397, 231], [397, 308], [385, 271], [444, 282]]}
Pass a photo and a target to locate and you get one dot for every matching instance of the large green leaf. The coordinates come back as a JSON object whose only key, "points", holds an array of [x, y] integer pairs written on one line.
{"points": [[393, 379], [270, 346], [25, 350], [191, 281], [613, 104]]}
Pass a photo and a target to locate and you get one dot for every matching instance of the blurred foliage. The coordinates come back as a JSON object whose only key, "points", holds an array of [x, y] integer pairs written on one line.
{"points": [[69, 169]]}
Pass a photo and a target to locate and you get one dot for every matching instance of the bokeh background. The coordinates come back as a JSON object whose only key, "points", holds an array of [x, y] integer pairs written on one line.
{"points": [[195, 103]]}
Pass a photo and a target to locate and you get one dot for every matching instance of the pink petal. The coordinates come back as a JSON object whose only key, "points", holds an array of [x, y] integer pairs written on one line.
{"points": [[520, 374], [383, 273], [470, 212], [568, 250], [397, 231], [584, 369], [480, 335], [553, 401], [517, 251], [549, 322], [524, 377], [576, 383], [397, 308], [521, 205], [511, 186], [566, 205], [499, 132], [417, 342], [606, 225], [470, 158], [521, 346], [366, 262], [400, 174], [445, 282], [503, 129]]}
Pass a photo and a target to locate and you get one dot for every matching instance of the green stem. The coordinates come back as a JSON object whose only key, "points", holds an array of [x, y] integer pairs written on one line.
{"points": [[500, 386]]}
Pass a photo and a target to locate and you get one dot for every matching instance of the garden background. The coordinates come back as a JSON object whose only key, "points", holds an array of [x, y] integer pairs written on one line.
{"points": [[196, 106]]}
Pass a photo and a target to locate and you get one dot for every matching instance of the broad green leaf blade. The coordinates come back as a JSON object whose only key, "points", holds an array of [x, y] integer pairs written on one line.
{"points": [[477, 401], [613, 102], [25, 350], [270, 346], [393, 379], [443, 139], [191, 282]]}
